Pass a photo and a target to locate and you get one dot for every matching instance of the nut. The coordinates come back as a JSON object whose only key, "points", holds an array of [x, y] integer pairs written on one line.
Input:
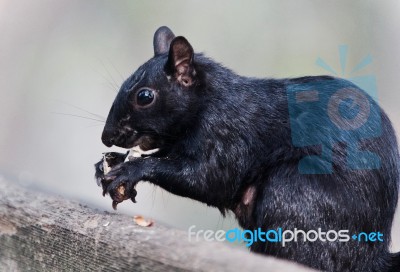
{"points": [[121, 190]]}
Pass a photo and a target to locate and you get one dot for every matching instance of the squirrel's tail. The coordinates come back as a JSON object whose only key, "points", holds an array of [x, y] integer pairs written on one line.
{"points": [[394, 262]]}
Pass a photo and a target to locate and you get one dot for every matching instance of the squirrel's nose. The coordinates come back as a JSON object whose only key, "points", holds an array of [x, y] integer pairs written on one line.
{"points": [[108, 137]]}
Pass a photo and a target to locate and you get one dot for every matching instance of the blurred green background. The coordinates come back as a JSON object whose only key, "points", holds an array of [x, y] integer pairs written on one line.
{"points": [[69, 57]]}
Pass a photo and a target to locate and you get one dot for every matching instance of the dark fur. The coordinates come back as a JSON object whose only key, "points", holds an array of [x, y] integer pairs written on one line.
{"points": [[225, 140]]}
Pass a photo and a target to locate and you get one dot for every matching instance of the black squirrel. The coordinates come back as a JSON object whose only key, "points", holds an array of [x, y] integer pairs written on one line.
{"points": [[226, 140]]}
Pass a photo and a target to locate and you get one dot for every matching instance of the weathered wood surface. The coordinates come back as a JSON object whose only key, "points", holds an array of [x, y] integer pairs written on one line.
{"points": [[39, 232]]}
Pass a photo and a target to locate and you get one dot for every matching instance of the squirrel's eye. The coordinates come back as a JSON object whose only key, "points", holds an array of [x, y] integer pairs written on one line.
{"points": [[144, 97]]}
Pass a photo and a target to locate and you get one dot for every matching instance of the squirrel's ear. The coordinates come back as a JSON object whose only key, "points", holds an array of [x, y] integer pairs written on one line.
{"points": [[180, 61], [162, 39]]}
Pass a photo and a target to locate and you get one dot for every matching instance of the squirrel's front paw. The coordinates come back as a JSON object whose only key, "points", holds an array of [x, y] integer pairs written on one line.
{"points": [[104, 166], [119, 184]]}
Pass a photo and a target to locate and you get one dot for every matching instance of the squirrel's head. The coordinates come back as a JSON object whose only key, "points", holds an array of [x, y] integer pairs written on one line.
{"points": [[158, 102]]}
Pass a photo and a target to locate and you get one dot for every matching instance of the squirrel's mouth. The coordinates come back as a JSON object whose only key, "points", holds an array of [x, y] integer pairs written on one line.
{"points": [[128, 139], [144, 141]]}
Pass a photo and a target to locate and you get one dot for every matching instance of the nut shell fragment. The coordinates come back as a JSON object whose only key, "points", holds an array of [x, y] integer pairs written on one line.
{"points": [[141, 221], [106, 167]]}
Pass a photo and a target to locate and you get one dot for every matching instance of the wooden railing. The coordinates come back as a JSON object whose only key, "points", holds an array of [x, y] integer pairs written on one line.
{"points": [[40, 232]]}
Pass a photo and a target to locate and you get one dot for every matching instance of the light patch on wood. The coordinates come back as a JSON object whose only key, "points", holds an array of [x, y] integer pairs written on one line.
{"points": [[7, 228], [91, 223]]}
